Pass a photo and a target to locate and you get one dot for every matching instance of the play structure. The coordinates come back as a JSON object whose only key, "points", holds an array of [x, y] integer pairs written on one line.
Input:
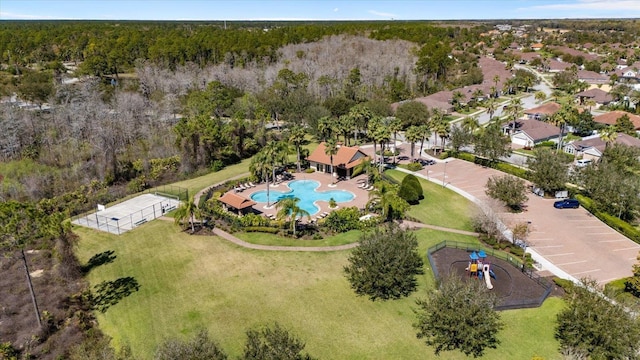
{"points": [[480, 268]]}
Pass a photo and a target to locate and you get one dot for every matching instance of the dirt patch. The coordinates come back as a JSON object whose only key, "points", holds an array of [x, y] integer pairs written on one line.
{"points": [[513, 287]]}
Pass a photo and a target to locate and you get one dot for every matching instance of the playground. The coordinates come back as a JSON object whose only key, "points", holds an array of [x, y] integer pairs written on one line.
{"points": [[514, 288]]}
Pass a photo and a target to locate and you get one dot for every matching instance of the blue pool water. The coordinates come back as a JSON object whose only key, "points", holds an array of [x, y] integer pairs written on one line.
{"points": [[305, 190]]}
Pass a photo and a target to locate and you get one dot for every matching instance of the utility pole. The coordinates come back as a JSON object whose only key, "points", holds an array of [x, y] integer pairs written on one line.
{"points": [[33, 294]]}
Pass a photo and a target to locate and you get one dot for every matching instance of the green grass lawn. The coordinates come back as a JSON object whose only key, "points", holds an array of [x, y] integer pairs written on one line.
{"points": [[440, 206], [190, 282], [196, 184], [272, 239]]}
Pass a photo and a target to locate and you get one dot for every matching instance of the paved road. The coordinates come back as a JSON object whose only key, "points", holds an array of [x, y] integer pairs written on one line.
{"points": [[568, 241]]}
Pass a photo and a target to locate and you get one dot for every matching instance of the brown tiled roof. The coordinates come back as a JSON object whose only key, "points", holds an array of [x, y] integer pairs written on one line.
{"points": [[574, 52], [236, 201], [558, 65], [537, 130], [440, 100], [611, 117], [597, 95], [592, 76], [599, 144], [548, 109], [346, 157]]}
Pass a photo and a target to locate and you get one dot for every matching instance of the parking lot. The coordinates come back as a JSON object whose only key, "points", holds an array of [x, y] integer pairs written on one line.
{"points": [[571, 239]]}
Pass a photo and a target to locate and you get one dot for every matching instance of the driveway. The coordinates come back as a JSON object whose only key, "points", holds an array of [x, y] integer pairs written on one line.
{"points": [[571, 240]]}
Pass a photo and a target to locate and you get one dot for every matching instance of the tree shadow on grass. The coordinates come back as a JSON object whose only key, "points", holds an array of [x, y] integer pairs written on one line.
{"points": [[99, 259], [109, 293]]}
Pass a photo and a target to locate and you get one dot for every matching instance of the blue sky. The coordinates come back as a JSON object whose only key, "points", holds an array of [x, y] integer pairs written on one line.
{"points": [[315, 9]]}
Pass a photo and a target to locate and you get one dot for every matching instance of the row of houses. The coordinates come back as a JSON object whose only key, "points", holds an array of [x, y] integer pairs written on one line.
{"points": [[532, 130]]}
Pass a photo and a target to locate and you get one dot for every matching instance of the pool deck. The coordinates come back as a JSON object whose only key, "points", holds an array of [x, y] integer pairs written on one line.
{"points": [[360, 200]]}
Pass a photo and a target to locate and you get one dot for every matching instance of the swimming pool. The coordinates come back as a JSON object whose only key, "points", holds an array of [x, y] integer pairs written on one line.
{"points": [[305, 190]]}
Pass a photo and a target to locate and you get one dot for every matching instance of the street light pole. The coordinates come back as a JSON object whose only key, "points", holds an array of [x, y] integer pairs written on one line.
{"points": [[444, 178]]}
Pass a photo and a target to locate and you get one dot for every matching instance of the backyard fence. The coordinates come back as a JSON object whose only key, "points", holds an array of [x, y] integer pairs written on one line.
{"points": [[514, 261], [170, 191]]}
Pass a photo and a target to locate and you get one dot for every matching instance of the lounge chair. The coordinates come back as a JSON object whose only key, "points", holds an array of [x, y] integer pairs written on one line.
{"points": [[252, 184]]}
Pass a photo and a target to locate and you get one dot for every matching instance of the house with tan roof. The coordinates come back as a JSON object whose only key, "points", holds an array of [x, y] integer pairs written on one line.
{"points": [[599, 97], [592, 77], [610, 118], [543, 111], [236, 203], [344, 160], [528, 133], [593, 147]]}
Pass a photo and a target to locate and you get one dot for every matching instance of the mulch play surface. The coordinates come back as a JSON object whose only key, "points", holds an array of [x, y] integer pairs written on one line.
{"points": [[513, 288]]}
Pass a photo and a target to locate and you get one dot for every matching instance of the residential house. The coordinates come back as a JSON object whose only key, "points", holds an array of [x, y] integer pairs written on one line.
{"points": [[528, 133], [543, 111], [593, 147], [440, 100], [610, 118], [599, 97], [558, 66], [344, 160], [537, 46], [592, 77]]}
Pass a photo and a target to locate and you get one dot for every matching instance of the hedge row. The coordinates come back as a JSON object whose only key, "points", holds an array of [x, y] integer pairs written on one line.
{"points": [[498, 165], [621, 226]]}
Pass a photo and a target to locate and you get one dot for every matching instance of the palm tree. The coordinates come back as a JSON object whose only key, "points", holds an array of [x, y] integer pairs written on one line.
{"points": [[443, 130], [540, 96], [457, 98], [590, 103], [386, 196], [514, 110], [394, 127], [477, 94], [187, 210], [345, 125], [425, 133], [470, 123], [372, 127], [381, 135], [361, 114], [413, 135], [297, 138], [330, 149], [496, 80], [609, 135], [436, 117], [566, 115], [491, 106], [325, 127], [288, 208]]}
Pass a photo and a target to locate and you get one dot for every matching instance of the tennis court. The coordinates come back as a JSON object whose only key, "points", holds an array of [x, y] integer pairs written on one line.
{"points": [[128, 214]]}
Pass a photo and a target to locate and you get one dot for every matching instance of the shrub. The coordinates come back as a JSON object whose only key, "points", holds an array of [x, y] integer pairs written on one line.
{"points": [[545, 144], [565, 284], [414, 166], [409, 194], [410, 189], [264, 229], [466, 156], [310, 170], [343, 220]]}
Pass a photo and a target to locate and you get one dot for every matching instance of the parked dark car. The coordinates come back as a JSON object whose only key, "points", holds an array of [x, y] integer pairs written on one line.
{"points": [[566, 204]]}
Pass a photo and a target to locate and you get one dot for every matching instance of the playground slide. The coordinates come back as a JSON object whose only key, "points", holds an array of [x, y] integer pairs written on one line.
{"points": [[487, 276]]}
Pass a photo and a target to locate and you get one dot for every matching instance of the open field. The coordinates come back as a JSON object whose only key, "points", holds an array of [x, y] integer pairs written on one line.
{"points": [[188, 282], [439, 207], [272, 239]]}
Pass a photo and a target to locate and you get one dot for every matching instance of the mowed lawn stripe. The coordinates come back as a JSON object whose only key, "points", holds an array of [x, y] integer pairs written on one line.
{"points": [[440, 206], [188, 282]]}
